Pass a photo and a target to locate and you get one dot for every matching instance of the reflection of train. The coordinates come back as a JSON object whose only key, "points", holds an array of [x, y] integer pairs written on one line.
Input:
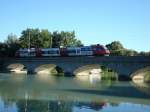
{"points": [[94, 50]]}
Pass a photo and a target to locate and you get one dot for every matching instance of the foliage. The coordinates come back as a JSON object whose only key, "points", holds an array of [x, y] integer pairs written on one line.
{"points": [[144, 53], [44, 39], [116, 45], [65, 39], [3, 49], [108, 74], [34, 38], [10, 46], [13, 44], [117, 49]]}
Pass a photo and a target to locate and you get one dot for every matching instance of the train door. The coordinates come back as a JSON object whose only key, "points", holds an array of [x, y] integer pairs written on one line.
{"points": [[63, 52]]}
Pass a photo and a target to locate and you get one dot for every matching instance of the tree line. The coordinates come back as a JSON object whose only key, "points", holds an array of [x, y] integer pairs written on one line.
{"points": [[36, 38], [117, 49]]}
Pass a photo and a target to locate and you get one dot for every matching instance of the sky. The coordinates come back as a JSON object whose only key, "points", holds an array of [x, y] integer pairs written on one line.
{"points": [[94, 21]]}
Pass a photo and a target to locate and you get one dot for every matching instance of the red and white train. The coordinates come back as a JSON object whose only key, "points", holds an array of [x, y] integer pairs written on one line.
{"points": [[93, 50]]}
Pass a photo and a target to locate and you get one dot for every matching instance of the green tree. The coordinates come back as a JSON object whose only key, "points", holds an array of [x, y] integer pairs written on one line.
{"points": [[56, 39], [116, 48], [69, 40], [65, 39], [30, 38], [130, 52], [116, 45], [142, 53], [12, 44], [46, 39], [3, 50]]}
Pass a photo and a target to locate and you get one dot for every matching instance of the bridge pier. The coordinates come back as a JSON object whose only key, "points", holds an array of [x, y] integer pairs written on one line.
{"points": [[30, 72], [124, 77], [1, 65]]}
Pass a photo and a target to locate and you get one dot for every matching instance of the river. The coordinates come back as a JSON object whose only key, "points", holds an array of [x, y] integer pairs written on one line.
{"points": [[44, 93]]}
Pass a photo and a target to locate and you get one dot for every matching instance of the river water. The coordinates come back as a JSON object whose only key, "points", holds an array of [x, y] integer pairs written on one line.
{"points": [[44, 93]]}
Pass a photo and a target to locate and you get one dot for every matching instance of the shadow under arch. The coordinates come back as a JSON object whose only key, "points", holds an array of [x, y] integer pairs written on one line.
{"points": [[99, 69], [86, 69], [109, 73], [48, 69], [141, 74], [44, 69]]}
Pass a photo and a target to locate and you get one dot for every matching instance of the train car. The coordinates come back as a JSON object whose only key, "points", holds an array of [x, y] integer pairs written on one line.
{"points": [[77, 51], [74, 51], [26, 52], [86, 51], [50, 52], [100, 50]]}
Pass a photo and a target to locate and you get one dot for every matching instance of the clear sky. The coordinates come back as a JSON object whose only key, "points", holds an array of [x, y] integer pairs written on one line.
{"points": [[94, 21]]}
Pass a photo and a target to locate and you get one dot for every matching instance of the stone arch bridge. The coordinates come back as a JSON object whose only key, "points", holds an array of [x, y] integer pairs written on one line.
{"points": [[123, 65]]}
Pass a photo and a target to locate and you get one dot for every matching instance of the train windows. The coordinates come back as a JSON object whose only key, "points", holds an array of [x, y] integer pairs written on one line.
{"points": [[44, 52], [32, 53], [53, 52], [72, 51], [89, 49], [86, 49], [82, 49]]}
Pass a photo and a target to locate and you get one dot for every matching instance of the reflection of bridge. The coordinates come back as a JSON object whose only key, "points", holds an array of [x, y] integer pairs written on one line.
{"points": [[49, 88], [122, 65]]}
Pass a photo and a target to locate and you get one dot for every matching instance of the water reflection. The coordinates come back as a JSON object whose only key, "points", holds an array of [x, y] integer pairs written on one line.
{"points": [[7, 106], [92, 78], [20, 93], [142, 87], [71, 106]]}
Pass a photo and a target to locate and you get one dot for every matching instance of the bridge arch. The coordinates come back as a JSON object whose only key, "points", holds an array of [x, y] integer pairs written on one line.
{"points": [[86, 69], [141, 74], [16, 68], [99, 69], [48, 69], [44, 68]]}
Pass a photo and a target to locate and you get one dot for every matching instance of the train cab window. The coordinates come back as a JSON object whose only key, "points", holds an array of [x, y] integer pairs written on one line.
{"points": [[105, 48]]}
